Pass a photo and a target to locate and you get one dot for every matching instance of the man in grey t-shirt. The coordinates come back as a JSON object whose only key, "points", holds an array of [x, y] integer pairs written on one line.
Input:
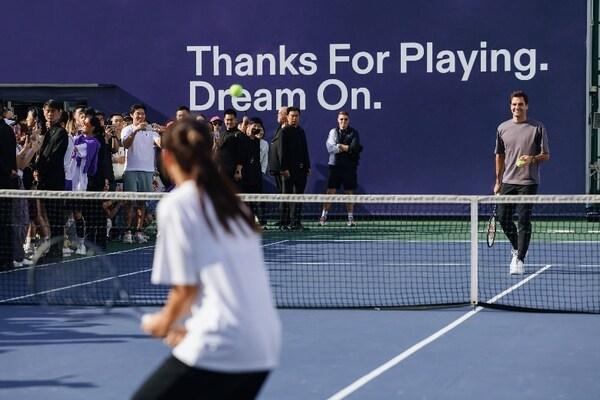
{"points": [[521, 145]]}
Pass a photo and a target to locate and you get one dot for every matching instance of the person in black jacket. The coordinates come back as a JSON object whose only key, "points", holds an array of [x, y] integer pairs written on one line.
{"points": [[51, 170], [8, 173], [295, 167], [344, 148], [231, 149]]}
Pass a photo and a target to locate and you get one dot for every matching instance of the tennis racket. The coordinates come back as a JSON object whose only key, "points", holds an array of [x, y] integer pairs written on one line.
{"points": [[491, 227], [88, 280]]}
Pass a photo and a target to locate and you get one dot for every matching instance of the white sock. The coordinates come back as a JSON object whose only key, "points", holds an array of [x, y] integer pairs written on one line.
{"points": [[324, 213]]}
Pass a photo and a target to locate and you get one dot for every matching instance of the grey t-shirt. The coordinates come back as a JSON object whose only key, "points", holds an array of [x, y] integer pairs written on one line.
{"points": [[516, 139]]}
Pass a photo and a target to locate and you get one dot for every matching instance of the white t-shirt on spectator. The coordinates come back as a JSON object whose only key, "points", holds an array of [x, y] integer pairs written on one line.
{"points": [[234, 326], [140, 155]]}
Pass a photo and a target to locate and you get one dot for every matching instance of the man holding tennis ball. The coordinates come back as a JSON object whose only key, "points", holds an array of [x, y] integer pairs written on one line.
{"points": [[521, 146]]}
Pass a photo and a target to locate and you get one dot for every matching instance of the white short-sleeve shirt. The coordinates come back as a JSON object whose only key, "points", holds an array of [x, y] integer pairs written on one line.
{"points": [[234, 326], [140, 155]]}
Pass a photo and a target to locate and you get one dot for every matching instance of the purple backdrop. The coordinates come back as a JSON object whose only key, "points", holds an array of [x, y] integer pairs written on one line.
{"points": [[429, 126]]}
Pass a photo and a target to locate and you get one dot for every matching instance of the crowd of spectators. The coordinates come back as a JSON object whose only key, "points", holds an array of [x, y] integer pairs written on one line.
{"points": [[85, 150]]}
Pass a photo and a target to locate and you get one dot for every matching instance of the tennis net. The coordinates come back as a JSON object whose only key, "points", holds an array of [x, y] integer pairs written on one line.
{"points": [[394, 251]]}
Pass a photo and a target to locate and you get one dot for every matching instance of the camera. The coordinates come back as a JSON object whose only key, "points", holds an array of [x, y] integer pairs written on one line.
{"points": [[255, 131]]}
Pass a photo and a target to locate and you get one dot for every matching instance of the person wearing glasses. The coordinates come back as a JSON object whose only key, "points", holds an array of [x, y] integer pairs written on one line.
{"points": [[343, 146]]}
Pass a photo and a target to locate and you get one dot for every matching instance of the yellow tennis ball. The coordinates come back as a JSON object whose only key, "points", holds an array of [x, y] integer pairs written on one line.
{"points": [[236, 90], [520, 163]]}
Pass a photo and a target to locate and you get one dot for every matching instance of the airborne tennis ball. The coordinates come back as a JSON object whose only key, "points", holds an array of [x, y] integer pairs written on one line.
{"points": [[236, 90]]}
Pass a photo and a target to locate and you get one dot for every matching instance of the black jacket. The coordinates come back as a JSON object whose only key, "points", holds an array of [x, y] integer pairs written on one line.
{"points": [[294, 151], [8, 157], [104, 169], [50, 163], [275, 153], [231, 150]]}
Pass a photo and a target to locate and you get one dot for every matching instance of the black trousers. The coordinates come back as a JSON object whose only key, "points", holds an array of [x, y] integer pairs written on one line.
{"points": [[293, 184], [519, 236], [6, 234], [175, 380], [56, 220]]}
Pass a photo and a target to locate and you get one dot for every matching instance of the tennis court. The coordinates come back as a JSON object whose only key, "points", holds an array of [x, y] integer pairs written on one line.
{"points": [[379, 310]]}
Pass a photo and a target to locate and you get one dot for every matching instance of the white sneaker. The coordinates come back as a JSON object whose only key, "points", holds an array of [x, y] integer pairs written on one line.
{"points": [[141, 238], [67, 252], [322, 220], [519, 268], [351, 222], [81, 250], [513, 262], [127, 238], [17, 264]]}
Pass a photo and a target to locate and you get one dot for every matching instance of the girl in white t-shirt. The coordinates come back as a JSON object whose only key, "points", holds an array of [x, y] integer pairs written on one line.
{"points": [[209, 252]]}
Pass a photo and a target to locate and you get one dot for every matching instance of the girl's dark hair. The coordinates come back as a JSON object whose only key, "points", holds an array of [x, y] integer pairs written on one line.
{"points": [[191, 143], [95, 121]]}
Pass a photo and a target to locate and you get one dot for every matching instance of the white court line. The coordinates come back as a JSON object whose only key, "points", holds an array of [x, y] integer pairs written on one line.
{"points": [[354, 263], [74, 286], [65, 261], [360, 382], [94, 281]]}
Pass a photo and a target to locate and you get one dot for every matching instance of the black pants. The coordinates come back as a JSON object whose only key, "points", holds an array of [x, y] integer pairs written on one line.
{"points": [[519, 238], [258, 208], [293, 184], [56, 220], [6, 234], [175, 380]]}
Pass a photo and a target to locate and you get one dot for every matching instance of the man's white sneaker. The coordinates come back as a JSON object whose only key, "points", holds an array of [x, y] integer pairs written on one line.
{"points": [[81, 250], [67, 252], [127, 238], [513, 261], [322, 220], [518, 269]]}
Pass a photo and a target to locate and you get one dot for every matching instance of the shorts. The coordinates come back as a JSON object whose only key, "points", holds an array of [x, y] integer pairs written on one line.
{"points": [[339, 177], [137, 181]]}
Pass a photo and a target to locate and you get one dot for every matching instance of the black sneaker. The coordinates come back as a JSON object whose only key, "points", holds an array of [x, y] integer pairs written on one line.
{"points": [[298, 227]]}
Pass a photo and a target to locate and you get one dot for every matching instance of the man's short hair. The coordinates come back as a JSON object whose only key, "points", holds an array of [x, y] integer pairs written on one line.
{"points": [[183, 108], [136, 107], [344, 113], [53, 105], [519, 93], [100, 113], [230, 111], [292, 108], [115, 115]]}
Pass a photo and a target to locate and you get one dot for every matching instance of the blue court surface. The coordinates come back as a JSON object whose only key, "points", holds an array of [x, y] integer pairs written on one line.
{"points": [[457, 352], [85, 353]]}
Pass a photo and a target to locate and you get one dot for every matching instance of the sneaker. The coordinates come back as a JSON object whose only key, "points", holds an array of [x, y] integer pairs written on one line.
{"points": [[81, 250], [67, 252], [141, 238], [350, 222], [513, 261], [27, 262], [127, 238], [519, 268], [17, 264], [322, 220]]}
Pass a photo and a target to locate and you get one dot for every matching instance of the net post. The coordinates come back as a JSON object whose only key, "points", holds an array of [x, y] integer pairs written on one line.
{"points": [[474, 250]]}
